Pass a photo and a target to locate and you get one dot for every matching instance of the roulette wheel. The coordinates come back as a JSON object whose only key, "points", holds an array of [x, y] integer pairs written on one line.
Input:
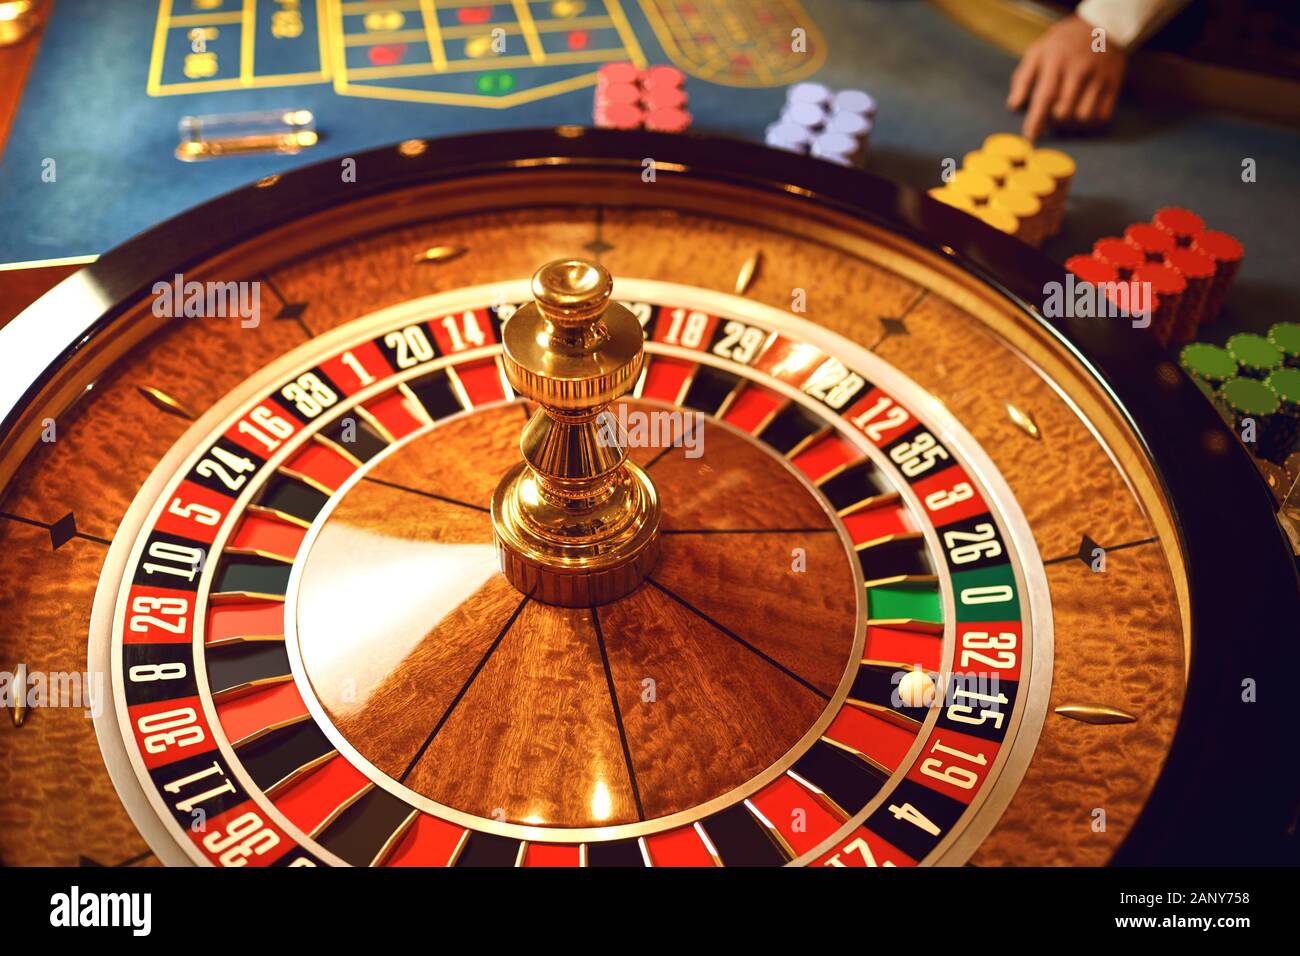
{"points": [[908, 573]]}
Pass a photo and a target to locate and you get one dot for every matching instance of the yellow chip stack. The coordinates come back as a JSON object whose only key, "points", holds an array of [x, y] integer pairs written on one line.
{"points": [[975, 185], [1014, 149], [955, 198], [1000, 218], [1012, 186], [996, 168], [1060, 168], [1030, 221]]}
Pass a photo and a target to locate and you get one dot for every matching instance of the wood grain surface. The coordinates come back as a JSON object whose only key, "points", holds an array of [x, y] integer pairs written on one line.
{"points": [[719, 667]]}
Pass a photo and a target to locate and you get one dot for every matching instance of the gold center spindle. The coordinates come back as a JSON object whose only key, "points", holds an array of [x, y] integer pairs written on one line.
{"points": [[576, 523]]}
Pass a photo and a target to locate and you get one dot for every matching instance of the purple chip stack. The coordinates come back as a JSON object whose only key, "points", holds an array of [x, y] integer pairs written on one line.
{"points": [[818, 121]]}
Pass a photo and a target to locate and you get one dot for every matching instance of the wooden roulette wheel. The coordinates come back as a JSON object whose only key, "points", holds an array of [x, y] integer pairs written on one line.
{"points": [[937, 580]]}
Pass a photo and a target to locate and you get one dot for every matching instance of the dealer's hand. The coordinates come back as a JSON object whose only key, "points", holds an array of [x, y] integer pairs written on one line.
{"points": [[1063, 77]]}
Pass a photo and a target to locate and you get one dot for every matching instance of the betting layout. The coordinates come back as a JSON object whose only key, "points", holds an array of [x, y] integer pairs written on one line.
{"points": [[464, 54]]}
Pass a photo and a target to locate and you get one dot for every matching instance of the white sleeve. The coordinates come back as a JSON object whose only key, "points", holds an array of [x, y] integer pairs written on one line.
{"points": [[1128, 22]]}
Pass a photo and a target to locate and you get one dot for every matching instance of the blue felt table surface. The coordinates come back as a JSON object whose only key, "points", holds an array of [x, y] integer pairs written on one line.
{"points": [[940, 92]]}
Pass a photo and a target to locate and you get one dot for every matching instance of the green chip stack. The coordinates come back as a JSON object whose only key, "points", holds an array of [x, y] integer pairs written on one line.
{"points": [[1275, 431], [1258, 378], [1207, 365], [1255, 355], [1285, 383], [1285, 337]]}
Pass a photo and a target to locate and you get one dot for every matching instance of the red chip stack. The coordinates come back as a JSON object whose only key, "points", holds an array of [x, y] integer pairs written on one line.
{"points": [[1092, 269], [1182, 224], [1097, 271], [1123, 255], [1167, 287], [1132, 297], [1198, 269], [618, 97], [1152, 242], [1227, 254], [628, 98], [1184, 268]]}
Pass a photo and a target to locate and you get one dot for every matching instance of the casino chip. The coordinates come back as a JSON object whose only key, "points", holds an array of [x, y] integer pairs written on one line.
{"points": [[808, 115], [1123, 255], [1014, 149], [835, 147], [821, 122], [1198, 270], [1249, 400], [1153, 243], [1189, 267], [1046, 190], [1168, 288], [1008, 191], [1285, 337], [629, 98], [1286, 383], [1227, 254], [1092, 269], [662, 77], [997, 168], [815, 93], [664, 98], [1207, 364], [789, 136], [1059, 167], [668, 120], [952, 197], [999, 218], [613, 73], [1182, 224], [974, 184], [854, 101], [1027, 210], [1255, 355], [849, 124]]}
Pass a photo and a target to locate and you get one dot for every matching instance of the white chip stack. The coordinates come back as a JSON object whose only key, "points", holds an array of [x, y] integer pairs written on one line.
{"points": [[820, 122]]}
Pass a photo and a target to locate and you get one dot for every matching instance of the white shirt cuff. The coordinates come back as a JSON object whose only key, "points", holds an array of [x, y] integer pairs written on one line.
{"points": [[1128, 22]]}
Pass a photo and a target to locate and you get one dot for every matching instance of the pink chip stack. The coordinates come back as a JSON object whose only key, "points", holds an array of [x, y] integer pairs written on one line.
{"points": [[630, 98]]}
